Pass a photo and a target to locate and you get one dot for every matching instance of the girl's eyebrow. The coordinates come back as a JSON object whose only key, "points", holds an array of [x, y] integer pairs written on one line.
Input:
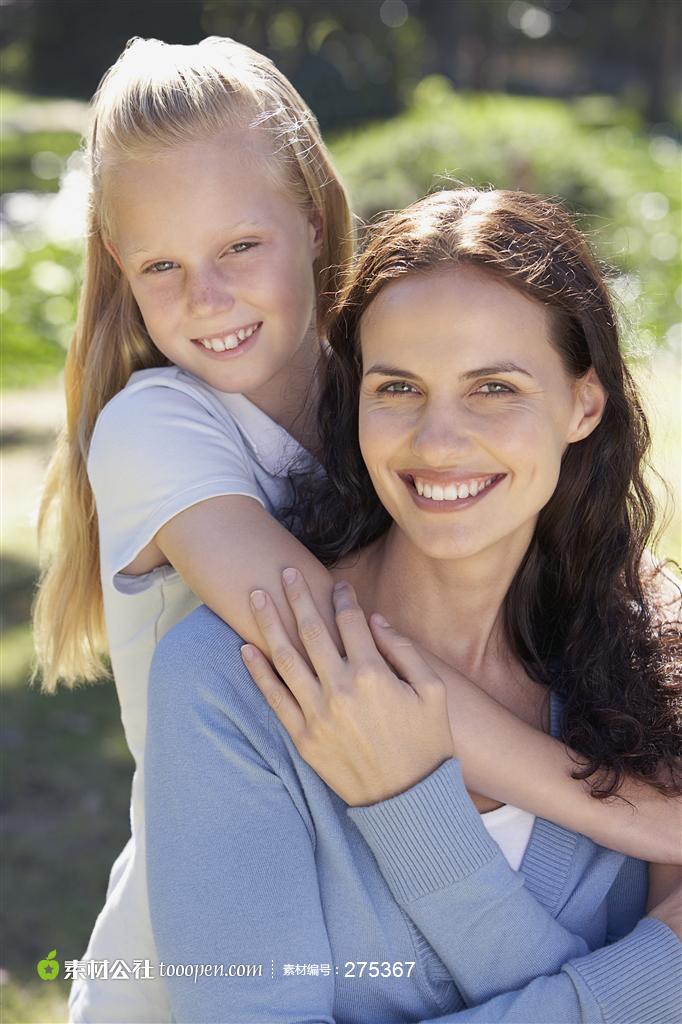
{"points": [[482, 371], [246, 225]]}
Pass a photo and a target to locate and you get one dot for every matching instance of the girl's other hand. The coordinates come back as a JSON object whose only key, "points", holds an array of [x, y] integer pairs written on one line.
{"points": [[665, 888], [368, 733]]}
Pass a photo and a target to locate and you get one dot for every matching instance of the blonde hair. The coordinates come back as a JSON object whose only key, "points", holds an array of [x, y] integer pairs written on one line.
{"points": [[155, 97]]}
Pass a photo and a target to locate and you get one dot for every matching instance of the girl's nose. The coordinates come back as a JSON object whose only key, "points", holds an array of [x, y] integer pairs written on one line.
{"points": [[442, 437], [208, 293]]}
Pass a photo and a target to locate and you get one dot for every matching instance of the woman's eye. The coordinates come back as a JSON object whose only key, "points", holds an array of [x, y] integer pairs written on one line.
{"points": [[397, 388], [243, 246], [496, 384]]}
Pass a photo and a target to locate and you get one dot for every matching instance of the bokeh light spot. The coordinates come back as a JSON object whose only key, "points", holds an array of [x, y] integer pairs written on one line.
{"points": [[393, 13]]}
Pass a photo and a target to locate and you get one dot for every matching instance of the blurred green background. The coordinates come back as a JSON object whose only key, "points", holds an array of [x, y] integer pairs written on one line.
{"points": [[570, 98]]}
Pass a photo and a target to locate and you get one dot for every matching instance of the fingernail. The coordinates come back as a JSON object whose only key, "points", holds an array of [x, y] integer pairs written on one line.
{"points": [[379, 619], [258, 599], [289, 575], [247, 652]]}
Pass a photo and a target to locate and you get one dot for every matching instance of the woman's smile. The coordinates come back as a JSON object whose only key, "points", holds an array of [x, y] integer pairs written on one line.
{"points": [[448, 494], [464, 402]]}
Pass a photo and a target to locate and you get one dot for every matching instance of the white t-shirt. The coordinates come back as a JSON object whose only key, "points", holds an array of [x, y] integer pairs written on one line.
{"points": [[510, 827], [164, 443]]}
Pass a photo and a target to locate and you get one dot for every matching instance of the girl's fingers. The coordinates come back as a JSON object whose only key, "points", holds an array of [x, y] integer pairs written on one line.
{"points": [[275, 692], [319, 646], [402, 655], [356, 635], [287, 661]]}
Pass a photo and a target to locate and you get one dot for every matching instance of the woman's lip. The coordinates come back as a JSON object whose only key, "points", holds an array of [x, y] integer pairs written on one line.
{"points": [[429, 505], [432, 476]]}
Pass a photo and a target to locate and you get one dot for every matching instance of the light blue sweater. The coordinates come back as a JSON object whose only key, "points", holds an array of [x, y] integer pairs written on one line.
{"points": [[253, 859]]}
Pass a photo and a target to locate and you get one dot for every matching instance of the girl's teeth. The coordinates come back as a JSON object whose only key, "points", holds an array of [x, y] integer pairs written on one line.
{"points": [[230, 340]]}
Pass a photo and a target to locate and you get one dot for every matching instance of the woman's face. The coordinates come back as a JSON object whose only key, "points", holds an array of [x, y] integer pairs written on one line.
{"points": [[466, 410]]}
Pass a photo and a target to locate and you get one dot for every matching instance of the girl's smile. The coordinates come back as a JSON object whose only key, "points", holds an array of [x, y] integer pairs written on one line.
{"points": [[228, 278], [229, 343]]}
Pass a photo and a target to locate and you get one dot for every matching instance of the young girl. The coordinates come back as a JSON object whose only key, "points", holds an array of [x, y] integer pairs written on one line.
{"points": [[476, 394], [218, 231]]}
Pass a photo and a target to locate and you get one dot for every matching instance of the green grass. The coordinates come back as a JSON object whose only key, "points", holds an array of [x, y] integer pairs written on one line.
{"points": [[67, 779]]}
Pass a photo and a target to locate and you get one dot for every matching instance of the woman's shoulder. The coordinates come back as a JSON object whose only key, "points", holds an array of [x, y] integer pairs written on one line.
{"points": [[198, 667]]}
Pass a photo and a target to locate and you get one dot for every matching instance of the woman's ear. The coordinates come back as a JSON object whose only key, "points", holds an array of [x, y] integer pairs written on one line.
{"points": [[589, 403]]}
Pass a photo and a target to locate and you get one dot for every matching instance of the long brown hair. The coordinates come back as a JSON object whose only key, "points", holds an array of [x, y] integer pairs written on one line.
{"points": [[577, 614], [155, 97]]}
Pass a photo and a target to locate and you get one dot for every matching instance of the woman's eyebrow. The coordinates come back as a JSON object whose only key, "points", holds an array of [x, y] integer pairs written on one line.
{"points": [[388, 371], [482, 371], [499, 368]]}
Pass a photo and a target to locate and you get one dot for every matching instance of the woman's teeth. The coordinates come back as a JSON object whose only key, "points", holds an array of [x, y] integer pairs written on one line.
{"points": [[452, 492], [230, 340]]}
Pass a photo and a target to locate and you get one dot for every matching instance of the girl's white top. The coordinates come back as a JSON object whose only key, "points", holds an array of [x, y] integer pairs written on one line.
{"points": [[510, 827], [164, 443]]}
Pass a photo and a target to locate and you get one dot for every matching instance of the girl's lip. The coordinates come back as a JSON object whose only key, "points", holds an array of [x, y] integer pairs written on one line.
{"points": [[429, 505], [224, 334], [231, 353]]}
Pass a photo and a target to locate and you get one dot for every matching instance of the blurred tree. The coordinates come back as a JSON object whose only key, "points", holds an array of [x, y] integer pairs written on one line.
{"points": [[356, 60], [346, 62], [72, 42]]}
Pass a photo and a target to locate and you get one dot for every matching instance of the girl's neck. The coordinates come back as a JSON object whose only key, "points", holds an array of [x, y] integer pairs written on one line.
{"points": [[453, 608], [291, 397]]}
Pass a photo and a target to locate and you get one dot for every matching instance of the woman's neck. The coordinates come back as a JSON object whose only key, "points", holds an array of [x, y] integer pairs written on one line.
{"points": [[453, 608]]}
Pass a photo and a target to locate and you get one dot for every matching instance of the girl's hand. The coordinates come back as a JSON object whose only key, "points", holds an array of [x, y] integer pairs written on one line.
{"points": [[366, 732], [665, 895], [669, 909]]}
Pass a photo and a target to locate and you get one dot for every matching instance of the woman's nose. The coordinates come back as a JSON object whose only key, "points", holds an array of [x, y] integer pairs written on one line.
{"points": [[442, 437], [209, 293]]}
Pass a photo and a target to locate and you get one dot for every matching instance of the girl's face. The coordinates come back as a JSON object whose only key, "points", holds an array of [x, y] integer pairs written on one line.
{"points": [[465, 410], [219, 259]]}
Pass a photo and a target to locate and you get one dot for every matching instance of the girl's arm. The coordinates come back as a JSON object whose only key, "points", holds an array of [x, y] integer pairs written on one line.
{"points": [[226, 547], [508, 760]]}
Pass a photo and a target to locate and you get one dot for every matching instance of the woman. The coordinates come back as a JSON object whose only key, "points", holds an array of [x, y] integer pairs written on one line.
{"points": [[483, 443]]}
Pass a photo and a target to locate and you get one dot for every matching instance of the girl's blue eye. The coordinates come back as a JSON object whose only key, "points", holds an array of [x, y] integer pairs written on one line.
{"points": [[387, 389], [151, 269]]}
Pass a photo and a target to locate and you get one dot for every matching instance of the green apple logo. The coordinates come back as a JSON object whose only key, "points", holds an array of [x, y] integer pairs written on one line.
{"points": [[48, 969]]}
